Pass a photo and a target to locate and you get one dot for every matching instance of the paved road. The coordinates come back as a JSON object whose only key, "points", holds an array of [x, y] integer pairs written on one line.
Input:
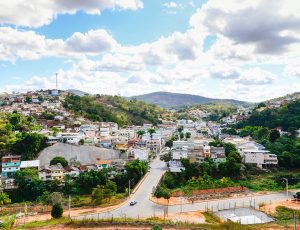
{"points": [[146, 208]]}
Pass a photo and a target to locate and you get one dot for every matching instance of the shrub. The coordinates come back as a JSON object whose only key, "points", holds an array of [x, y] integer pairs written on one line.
{"points": [[57, 211]]}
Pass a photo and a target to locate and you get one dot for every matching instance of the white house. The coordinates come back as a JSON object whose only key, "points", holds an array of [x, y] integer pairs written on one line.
{"points": [[254, 153]]}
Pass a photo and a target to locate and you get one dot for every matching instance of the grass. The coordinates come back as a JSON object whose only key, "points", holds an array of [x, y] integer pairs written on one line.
{"points": [[271, 181], [40, 224], [213, 224], [211, 218]]}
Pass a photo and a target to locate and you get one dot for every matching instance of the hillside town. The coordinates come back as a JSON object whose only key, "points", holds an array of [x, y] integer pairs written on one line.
{"points": [[106, 145]]}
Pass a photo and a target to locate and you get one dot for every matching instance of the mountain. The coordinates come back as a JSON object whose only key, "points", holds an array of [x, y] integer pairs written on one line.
{"points": [[77, 92], [178, 100]]}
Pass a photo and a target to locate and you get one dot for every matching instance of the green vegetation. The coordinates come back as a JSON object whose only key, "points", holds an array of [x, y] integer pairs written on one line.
{"points": [[57, 211], [269, 181], [287, 117], [59, 160], [261, 126], [15, 136], [211, 218], [115, 109], [206, 175], [4, 199], [284, 213], [92, 183]]}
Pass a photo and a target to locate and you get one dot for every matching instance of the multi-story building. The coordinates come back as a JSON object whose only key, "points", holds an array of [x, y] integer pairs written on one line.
{"points": [[53, 172], [10, 165], [253, 153]]}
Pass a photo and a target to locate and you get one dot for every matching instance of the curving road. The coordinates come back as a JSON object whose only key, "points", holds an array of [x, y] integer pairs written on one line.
{"points": [[146, 208]]}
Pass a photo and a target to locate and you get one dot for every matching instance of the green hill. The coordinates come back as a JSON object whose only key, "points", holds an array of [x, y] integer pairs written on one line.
{"points": [[115, 109], [287, 117]]}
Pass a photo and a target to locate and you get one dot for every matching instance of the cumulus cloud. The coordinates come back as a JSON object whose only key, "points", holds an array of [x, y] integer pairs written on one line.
{"points": [[270, 26], [16, 44], [256, 76], [36, 13], [94, 41], [292, 71], [224, 71]]}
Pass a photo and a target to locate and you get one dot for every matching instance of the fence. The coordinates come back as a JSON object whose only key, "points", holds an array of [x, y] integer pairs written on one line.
{"points": [[214, 191]]}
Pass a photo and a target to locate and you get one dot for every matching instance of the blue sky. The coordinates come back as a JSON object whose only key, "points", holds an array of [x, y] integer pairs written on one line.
{"points": [[199, 47]]}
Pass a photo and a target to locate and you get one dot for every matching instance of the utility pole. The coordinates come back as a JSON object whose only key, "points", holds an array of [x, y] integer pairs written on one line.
{"points": [[295, 220], [69, 207], [287, 188], [129, 189], [56, 81]]}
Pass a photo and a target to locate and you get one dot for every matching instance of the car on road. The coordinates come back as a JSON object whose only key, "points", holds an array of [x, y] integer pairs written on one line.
{"points": [[133, 203]]}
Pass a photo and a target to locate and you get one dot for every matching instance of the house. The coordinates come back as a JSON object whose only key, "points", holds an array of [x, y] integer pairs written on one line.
{"points": [[179, 153], [103, 164], [72, 171], [52, 172], [154, 145], [34, 164], [10, 165], [189, 144], [140, 153], [254, 153]]}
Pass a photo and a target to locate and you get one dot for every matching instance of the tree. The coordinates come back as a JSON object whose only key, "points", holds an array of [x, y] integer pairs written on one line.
{"points": [[180, 129], [181, 135], [29, 186], [140, 133], [89, 180], [45, 198], [57, 211], [187, 135], [260, 105], [81, 142], [110, 189], [274, 135], [97, 195], [163, 192], [28, 145], [151, 131], [4, 199], [136, 169], [28, 100], [59, 160]]}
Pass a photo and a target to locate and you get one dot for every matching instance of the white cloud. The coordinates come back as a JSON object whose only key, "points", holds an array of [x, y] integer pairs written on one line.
{"points": [[171, 4], [94, 41], [36, 13], [28, 45], [292, 71], [269, 26], [256, 76]]}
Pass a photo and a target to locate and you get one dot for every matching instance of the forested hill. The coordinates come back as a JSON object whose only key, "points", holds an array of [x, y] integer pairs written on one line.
{"points": [[261, 126], [287, 117], [115, 109], [178, 100]]}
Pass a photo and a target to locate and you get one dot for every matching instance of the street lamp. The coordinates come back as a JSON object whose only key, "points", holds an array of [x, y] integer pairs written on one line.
{"points": [[287, 188]]}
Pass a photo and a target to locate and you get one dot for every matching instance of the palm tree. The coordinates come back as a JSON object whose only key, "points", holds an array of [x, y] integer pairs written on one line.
{"points": [[140, 133], [151, 131]]}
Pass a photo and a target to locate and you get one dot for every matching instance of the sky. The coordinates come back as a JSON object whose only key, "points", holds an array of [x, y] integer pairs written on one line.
{"points": [[234, 49]]}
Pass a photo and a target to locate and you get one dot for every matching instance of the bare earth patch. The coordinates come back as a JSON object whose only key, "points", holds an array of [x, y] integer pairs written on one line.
{"points": [[192, 217], [271, 208]]}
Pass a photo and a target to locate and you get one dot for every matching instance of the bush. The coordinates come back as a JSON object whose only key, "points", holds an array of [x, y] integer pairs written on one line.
{"points": [[284, 213], [57, 211], [60, 160]]}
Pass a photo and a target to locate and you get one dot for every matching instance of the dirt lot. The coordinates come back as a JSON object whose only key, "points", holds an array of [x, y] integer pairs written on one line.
{"points": [[271, 208], [193, 217]]}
